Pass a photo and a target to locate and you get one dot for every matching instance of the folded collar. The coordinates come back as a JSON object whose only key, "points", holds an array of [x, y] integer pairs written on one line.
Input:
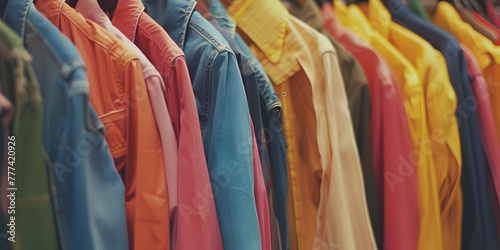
{"points": [[223, 18], [263, 21], [379, 16], [91, 10], [126, 17], [174, 16], [51, 9], [16, 15]]}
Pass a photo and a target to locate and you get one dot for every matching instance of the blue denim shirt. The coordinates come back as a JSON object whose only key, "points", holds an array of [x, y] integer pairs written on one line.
{"points": [[271, 118], [224, 118], [479, 229], [248, 75], [90, 195]]}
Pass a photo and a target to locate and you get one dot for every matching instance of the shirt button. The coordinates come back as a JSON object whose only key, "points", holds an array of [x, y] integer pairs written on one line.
{"points": [[283, 94]]}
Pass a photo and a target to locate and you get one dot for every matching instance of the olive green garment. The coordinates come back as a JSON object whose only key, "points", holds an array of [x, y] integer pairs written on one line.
{"points": [[356, 86], [34, 215], [417, 7]]}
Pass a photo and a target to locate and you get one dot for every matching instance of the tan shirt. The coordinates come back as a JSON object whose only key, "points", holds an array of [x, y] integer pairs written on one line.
{"points": [[326, 200]]}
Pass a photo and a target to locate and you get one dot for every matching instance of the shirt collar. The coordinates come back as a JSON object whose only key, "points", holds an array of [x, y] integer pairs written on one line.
{"points": [[486, 52], [263, 21], [91, 10], [378, 15], [174, 16], [126, 17], [204, 9], [51, 9], [16, 15], [357, 21], [308, 12], [223, 18], [338, 30]]}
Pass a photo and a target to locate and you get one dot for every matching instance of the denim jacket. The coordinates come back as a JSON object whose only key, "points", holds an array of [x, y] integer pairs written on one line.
{"points": [[271, 117], [90, 207], [224, 117]]}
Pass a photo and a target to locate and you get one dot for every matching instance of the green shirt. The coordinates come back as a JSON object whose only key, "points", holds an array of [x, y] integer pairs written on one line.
{"points": [[35, 226]]}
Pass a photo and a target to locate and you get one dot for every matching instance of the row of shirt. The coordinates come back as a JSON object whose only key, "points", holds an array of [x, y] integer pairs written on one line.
{"points": [[249, 124]]}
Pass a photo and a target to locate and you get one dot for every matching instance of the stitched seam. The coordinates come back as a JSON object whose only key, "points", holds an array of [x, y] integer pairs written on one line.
{"points": [[91, 38], [157, 45], [209, 38], [208, 81], [113, 116]]}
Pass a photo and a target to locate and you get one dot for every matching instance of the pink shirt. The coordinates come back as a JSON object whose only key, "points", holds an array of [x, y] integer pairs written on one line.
{"points": [[261, 201], [195, 224], [487, 127], [91, 10]]}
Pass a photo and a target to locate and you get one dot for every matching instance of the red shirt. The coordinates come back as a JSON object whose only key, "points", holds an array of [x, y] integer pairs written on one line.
{"points": [[492, 14], [194, 223], [395, 177], [261, 199]]}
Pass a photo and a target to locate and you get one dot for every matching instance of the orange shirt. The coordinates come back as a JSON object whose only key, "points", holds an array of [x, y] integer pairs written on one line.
{"points": [[119, 96]]}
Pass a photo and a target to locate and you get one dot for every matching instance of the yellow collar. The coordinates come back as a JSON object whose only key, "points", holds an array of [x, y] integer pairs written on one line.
{"points": [[263, 21]]}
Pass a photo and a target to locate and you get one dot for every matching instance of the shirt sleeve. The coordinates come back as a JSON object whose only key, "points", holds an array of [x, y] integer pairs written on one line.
{"points": [[342, 211], [358, 96], [196, 226], [227, 138]]}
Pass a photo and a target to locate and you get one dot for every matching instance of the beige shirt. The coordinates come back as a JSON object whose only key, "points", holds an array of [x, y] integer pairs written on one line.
{"points": [[326, 199]]}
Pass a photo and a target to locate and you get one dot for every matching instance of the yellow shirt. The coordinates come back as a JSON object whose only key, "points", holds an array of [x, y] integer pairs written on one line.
{"points": [[444, 144], [486, 53], [432, 149], [326, 200]]}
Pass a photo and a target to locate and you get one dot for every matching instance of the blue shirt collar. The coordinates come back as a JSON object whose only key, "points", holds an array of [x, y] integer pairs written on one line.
{"points": [[16, 15], [225, 21], [173, 15]]}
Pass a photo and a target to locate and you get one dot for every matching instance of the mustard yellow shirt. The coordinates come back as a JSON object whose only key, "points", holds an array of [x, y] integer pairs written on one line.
{"points": [[441, 104], [486, 53], [326, 200]]}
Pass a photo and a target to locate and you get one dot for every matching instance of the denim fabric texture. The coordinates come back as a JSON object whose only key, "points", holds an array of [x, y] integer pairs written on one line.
{"points": [[271, 118], [90, 195], [224, 117]]}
